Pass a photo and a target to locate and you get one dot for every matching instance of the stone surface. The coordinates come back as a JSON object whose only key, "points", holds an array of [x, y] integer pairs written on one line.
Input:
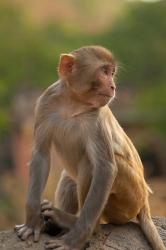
{"points": [[110, 237]]}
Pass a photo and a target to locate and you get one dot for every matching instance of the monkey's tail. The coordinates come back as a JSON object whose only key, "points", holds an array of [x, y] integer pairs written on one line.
{"points": [[149, 229]]}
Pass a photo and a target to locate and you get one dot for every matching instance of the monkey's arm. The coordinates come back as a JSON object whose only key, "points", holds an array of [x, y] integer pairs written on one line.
{"points": [[39, 170], [101, 156]]}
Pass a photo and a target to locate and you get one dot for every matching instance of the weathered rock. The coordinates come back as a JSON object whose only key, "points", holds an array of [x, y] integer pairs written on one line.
{"points": [[110, 237]]}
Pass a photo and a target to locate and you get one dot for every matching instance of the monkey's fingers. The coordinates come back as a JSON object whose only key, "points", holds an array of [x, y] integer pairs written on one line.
{"points": [[48, 214], [46, 207], [21, 231], [37, 234], [28, 232], [17, 227], [45, 202]]}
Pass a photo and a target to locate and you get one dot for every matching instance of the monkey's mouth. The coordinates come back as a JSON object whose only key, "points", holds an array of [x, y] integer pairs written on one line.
{"points": [[106, 95]]}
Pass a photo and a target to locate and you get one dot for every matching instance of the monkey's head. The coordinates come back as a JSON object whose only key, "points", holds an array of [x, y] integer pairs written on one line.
{"points": [[88, 74]]}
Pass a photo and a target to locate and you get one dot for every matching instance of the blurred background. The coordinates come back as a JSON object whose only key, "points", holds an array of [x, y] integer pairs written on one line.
{"points": [[33, 33]]}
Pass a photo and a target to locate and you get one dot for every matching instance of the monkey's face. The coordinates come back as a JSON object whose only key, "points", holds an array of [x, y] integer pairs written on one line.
{"points": [[102, 88], [89, 73]]}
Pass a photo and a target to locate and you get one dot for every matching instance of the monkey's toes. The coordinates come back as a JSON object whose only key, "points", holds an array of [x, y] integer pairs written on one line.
{"points": [[45, 201], [46, 205], [55, 244], [59, 244], [48, 213]]}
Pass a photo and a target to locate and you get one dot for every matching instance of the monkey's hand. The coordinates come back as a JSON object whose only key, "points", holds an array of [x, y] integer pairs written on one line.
{"points": [[33, 226]]}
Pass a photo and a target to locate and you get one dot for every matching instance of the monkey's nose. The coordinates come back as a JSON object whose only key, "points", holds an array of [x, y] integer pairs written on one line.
{"points": [[113, 87]]}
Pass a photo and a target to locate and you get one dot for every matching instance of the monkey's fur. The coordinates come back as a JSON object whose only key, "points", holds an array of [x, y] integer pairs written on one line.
{"points": [[103, 177]]}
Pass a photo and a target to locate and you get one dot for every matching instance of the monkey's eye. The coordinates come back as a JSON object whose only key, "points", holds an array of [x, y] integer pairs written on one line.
{"points": [[113, 70], [105, 69]]}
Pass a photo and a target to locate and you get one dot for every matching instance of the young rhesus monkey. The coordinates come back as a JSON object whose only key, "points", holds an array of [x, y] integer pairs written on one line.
{"points": [[103, 177]]}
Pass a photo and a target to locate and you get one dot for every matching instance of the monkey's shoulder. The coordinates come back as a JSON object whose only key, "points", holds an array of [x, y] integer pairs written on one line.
{"points": [[48, 102], [122, 145], [49, 95]]}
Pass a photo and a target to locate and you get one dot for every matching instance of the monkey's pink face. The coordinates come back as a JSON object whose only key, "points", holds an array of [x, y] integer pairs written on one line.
{"points": [[96, 86], [102, 89]]}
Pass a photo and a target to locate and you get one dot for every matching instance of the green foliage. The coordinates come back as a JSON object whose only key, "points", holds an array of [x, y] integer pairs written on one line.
{"points": [[29, 55], [138, 39]]}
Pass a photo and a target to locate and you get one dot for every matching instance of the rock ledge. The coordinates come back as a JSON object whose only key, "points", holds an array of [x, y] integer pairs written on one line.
{"points": [[110, 237]]}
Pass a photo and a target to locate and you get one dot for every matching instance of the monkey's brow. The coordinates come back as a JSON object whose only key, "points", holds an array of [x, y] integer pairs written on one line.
{"points": [[112, 64]]}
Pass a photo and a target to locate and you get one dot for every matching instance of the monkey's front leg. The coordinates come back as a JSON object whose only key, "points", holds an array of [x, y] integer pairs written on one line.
{"points": [[39, 169]]}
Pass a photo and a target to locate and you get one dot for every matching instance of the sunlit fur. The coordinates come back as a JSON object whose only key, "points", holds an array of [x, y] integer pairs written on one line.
{"points": [[103, 177]]}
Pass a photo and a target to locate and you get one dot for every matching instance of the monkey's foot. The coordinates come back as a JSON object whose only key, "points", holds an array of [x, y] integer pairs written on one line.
{"points": [[46, 205], [58, 244], [50, 225], [48, 212]]}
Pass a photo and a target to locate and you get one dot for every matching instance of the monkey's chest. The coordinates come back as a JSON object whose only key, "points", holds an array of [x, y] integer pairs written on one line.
{"points": [[69, 144]]}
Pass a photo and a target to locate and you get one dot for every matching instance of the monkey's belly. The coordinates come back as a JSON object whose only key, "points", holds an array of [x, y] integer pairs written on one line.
{"points": [[70, 164], [69, 145], [70, 155]]}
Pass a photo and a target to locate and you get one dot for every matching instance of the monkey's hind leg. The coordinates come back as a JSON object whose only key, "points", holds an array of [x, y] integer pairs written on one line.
{"points": [[57, 217], [149, 228], [66, 194], [63, 216]]}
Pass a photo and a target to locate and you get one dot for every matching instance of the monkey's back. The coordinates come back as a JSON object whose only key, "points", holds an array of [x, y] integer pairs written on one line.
{"points": [[130, 190]]}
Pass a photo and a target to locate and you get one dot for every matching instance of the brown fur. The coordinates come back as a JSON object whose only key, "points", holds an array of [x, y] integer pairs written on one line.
{"points": [[103, 177]]}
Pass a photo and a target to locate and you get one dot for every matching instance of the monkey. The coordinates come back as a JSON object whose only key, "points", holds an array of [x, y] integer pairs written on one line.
{"points": [[103, 178]]}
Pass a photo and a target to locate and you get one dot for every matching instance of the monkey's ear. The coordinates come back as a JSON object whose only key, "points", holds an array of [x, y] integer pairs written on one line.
{"points": [[66, 64]]}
